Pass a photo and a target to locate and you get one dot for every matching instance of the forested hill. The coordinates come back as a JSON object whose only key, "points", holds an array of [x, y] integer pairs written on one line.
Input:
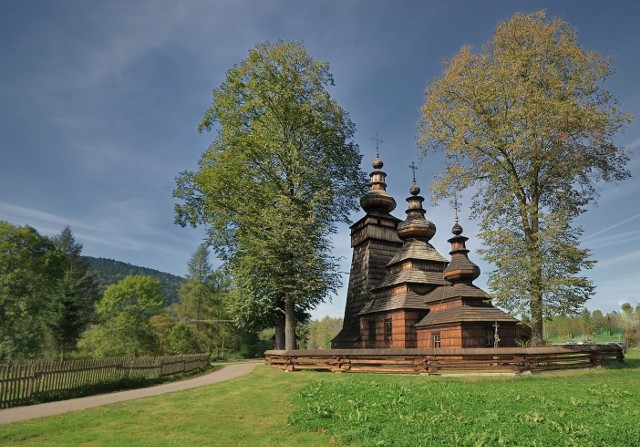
{"points": [[110, 272]]}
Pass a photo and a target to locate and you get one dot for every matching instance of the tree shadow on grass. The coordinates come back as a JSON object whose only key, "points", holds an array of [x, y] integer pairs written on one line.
{"points": [[631, 360], [631, 363]]}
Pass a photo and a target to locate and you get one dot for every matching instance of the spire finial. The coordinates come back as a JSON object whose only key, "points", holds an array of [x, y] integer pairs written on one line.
{"points": [[378, 140], [413, 169], [457, 229], [456, 205]]}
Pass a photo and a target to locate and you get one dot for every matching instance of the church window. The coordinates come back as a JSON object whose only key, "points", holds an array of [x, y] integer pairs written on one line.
{"points": [[372, 330], [488, 338], [436, 340], [388, 329]]}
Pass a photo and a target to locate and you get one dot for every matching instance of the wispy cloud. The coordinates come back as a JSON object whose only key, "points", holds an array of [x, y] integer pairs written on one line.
{"points": [[617, 238], [47, 222], [619, 260], [635, 144], [118, 225], [608, 229]]}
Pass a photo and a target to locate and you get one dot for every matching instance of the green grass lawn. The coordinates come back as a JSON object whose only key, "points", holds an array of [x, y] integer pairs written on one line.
{"points": [[581, 408], [272, 408], [600, 338]]}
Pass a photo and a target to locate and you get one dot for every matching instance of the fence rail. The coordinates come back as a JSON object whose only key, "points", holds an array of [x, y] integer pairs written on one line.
{"points": [[434, 361], [24, 382]]}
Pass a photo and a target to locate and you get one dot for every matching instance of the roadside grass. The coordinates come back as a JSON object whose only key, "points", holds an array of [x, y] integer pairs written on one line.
{"points": [[272, 408], [249, 411]]}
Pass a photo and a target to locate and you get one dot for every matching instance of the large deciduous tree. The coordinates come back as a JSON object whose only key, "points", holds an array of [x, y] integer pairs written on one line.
{"points": [[527, 122], [28, 268], [280, 174], [125, 311]]}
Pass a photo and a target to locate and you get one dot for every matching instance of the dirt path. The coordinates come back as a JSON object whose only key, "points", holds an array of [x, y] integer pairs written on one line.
{"points": [[17, 414]]}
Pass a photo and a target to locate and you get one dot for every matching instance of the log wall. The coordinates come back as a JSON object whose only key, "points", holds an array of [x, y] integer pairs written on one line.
{"points": [[434, 361], [403, 333]]}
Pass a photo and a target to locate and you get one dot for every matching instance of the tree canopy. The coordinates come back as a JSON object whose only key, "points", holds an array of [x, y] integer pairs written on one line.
{"points": [[46, 293], [28, 265], [281, 172], [125, 311], [527, 122]]}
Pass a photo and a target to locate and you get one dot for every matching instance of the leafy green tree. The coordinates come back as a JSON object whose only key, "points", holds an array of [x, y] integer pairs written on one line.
{"points": [[125, 311], [28, 267], [201, 297], [206, 304], [136, 295], [280, 174], [585, 323], [181, 340], [73, 295], [626, 308], [630, 323], [528, 124], [321, 332], [599, 320]]}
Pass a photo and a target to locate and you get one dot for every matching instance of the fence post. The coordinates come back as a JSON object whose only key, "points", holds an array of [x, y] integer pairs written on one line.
{"points": [[596, 358]]}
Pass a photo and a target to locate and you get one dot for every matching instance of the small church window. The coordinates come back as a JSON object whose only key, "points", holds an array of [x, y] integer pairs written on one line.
{"points": [[436, 340], [488, 338], [372, 330], [388, 329]]}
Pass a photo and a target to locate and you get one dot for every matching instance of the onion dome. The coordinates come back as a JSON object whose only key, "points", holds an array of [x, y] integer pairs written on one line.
{"points": [[416, 226], [460, 269], [378, 200]]}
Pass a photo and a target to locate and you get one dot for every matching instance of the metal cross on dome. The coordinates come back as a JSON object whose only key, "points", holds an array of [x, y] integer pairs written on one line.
{"points": [[378, 140], [456, 205], [414, 168]]}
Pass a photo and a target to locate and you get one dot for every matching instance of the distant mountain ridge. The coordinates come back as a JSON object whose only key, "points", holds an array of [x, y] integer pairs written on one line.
{"points": [[111, 271]]}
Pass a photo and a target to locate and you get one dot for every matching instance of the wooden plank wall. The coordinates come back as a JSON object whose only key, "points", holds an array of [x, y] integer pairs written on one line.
{"points": [[435, 361], [22, 382]]}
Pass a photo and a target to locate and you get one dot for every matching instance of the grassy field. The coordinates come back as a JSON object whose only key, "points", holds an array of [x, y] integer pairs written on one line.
{"points": [[581, 408], [273, 408], [600, 338]]}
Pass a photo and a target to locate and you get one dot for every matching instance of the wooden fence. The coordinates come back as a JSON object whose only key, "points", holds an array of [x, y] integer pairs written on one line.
{"points": [[24, 382], [434, 361]]}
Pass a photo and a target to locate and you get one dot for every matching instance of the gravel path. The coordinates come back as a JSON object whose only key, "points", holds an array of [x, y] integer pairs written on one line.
{"points": [[17, 414]]}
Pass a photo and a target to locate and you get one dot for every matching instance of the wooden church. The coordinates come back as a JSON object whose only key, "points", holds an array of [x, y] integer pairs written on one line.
{"points": [[402, 293]]}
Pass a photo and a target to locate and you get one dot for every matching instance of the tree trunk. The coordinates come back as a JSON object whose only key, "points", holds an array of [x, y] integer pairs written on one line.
{"points": [[290, 325], [535, 277], [536, 320], [278, 342]]}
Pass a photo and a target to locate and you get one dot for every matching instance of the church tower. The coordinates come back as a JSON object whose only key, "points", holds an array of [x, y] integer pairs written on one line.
{"points": [[374, 240], [397, 302]]}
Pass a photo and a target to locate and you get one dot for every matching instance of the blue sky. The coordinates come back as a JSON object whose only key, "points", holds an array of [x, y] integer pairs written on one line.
{"points": [[99, 104]]}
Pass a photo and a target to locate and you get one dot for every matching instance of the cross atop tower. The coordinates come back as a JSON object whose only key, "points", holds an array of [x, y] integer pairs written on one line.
{"points": [[378, 140], [414, 168], [456, 205]]}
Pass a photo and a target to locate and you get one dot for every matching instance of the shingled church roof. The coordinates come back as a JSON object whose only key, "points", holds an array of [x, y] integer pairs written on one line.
{"points": [[460, 273], [465, 314], [455, 291]]}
